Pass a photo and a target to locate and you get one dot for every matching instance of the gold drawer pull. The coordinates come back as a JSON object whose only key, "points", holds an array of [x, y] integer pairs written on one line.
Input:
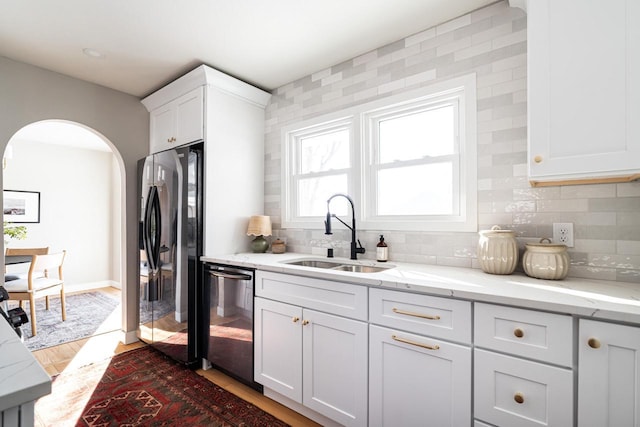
{"points": [[537, 159], [519, 333], [406, 341], [296, 319], [410, 313], [519, 398], [594, 343], [305, 322]]}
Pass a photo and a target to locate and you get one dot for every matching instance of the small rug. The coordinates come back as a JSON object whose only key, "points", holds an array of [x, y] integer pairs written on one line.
{"points": [[143, 387], [87, 314]]}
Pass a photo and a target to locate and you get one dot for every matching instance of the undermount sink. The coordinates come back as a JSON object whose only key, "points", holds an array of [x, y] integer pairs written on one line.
{"points": [[338, 266], [357, 268], [316, 263]]}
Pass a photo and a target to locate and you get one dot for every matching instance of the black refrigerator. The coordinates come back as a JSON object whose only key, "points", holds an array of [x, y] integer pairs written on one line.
{"points": [[170, 243]]}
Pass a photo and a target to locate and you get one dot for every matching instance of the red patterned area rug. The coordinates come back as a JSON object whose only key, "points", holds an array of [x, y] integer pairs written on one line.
{"points": [[143, 387]]}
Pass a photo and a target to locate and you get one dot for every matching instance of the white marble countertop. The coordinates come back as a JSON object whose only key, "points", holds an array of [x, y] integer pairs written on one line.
{"points": [[22, 379], [617, 301]]}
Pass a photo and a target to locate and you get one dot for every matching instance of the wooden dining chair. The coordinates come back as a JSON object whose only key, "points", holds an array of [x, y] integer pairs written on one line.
{"points": [[37, 285], [24, 251]]}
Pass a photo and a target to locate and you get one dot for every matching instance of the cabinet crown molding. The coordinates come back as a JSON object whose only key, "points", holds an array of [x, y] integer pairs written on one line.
{"points": [[204, 75], [522, 4]]}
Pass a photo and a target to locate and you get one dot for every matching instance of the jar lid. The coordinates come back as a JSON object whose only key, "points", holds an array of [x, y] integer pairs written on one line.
{"points": [[548, 245], [497, 231]]}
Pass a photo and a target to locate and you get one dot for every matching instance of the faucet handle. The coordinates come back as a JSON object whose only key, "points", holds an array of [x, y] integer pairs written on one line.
{"points": [[360, 249]]}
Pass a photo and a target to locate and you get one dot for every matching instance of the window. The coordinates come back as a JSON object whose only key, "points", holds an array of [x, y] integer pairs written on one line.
{"points": [[409, 162], [320, 164]]}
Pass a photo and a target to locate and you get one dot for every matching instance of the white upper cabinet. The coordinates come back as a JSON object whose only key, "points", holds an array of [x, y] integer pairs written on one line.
{"points": [[178, 122], [228, 116], [584, 91]]}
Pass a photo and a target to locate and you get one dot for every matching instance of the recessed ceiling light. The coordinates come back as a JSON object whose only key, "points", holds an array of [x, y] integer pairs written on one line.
{"points": [[92, 53]]}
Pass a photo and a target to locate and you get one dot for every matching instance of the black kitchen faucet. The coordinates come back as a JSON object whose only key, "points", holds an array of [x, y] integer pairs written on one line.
{"points": [[355, 248]]}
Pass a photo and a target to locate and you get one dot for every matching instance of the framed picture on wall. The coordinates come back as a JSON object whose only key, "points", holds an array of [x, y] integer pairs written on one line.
{"points": [[21, 206]]}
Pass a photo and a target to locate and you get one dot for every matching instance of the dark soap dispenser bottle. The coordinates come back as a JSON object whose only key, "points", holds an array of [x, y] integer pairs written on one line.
{"points": [[382, 250]]}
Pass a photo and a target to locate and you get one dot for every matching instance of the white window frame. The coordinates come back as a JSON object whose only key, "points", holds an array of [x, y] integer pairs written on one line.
{"points": [[291, 173], [460, 91]]}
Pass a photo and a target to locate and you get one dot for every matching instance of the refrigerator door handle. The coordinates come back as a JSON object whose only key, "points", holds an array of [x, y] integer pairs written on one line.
{"points": [[152, 229]]}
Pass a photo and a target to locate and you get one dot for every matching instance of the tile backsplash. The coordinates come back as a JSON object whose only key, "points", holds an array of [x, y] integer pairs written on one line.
{"points": [[492, 42]]}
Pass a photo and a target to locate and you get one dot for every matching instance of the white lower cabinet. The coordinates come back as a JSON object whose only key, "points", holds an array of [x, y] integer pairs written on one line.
{"points": [[608, 375], [278, 347], [316, 359], [346, 354], [514, 392], [417, 381], [417, 377]]}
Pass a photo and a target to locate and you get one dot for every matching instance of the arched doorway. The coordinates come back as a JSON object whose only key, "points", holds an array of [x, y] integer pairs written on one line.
{"points": [[78, 176]]}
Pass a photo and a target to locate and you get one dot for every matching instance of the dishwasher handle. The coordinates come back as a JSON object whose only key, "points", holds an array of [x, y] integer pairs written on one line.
{"points": [[225, 275]]}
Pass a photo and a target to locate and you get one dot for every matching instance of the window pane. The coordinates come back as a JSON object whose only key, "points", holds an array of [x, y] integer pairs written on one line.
{"points": [[325, 152], [428, 190], [414, 136], [314, 192]]}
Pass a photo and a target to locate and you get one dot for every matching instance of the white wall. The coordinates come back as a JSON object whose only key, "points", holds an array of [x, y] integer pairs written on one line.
{"points": [[76, 206], [31, 94], [491, 42]]}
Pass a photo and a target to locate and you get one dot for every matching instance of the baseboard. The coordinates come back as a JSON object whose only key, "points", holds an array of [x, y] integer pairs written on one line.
{"points": [[129, 337], [83, 287], [291, 404]]}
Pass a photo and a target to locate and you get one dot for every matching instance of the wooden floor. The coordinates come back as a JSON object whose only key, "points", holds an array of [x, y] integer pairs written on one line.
{"points": [[80, 353]]}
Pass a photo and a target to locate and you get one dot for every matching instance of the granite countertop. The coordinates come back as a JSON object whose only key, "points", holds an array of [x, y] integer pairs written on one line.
{"points": [[617, 301], [22, 379]]}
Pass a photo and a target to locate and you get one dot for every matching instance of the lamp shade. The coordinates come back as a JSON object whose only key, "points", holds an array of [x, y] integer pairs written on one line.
{"points": [[259, 225]]}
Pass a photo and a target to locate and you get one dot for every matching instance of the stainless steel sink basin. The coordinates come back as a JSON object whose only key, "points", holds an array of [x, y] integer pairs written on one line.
{"points": [[357, 268], [314, 263], [338, 265]]}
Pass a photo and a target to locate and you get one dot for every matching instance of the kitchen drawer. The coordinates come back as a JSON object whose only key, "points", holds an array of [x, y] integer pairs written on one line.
{"points": [[444, 318], [533, 334], [342, 299], [518, 393]]}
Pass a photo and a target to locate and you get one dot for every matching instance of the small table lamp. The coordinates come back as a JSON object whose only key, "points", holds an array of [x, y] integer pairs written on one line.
{"points": [[259, 226]]}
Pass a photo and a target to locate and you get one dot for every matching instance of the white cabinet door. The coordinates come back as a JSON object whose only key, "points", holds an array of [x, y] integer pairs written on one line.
{"points": [[190, 117], [278, 347], [514, 392], [608, 375], [584, 94], [178, 122], [335, 367], [163, 122], [413, 383], [313, 358]]}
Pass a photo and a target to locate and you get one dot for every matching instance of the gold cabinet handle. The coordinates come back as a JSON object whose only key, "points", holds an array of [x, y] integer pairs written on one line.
{"points": [[594, 343], [537, 159], [519, 398], [305, 322], [172, 139], [406, 341], [519, 333], [296, 319], [410, 313]]}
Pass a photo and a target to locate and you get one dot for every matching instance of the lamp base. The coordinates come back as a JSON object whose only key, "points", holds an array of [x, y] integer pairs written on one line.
{"points": [[259, 245]]}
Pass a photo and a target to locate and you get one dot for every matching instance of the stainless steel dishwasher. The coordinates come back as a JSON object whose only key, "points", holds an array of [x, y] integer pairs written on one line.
{"points": [[228, 340]]}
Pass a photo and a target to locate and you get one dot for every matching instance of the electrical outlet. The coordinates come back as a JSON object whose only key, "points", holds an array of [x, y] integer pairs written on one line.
{"points": [[563, 233]]}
